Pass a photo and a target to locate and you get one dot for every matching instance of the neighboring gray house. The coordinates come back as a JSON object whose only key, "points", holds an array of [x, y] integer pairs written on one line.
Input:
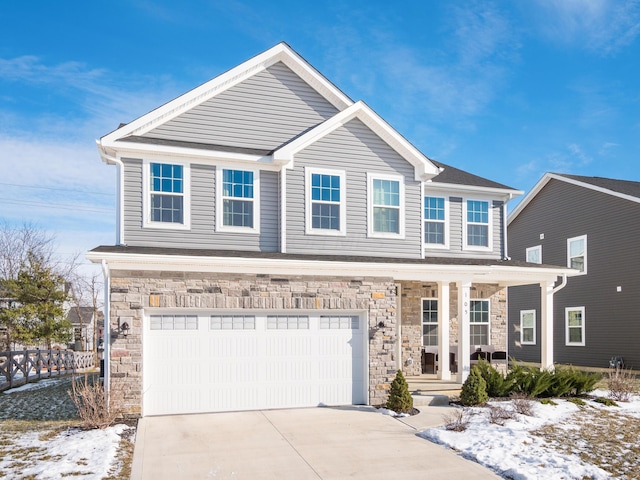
{"points": [[591, 224], [280, 245], [84, 324]]}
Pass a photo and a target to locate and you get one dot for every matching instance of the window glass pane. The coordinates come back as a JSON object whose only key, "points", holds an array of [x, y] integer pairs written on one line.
{"points": [[477, 211], [533, 255], [237, 183], [433, 208], [575, 335], [479, 311], [434, 233], [237, 213], [528, 319], [166, 208], [477, 235], [386, 220], [325, 216], [386, 192], [575, 318]]}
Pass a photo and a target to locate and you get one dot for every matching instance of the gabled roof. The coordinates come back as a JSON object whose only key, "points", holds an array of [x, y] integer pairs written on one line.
{"points": [[454, 177], [279, 53], [625, 189], [424, 168]]}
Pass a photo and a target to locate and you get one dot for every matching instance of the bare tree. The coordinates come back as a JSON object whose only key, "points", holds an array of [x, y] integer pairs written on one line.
{"points": [[16, 243]]}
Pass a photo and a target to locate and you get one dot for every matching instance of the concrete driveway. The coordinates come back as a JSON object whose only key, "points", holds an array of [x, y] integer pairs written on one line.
{"points": [[309, 443]]}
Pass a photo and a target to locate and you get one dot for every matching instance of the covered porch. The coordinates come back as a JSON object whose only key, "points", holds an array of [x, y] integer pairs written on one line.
{"points": [[459, 315]]}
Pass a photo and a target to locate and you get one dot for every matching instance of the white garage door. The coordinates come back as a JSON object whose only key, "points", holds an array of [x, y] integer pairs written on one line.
{"points": [[215, 363]]}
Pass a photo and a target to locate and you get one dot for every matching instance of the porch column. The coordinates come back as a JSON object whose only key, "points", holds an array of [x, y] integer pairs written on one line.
{"points": [[464, 330], [546, 325], [444, 368]]}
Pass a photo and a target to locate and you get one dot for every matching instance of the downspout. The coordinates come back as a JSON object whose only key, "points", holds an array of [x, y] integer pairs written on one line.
{"points": [[283, 210], [106, 335], [561, 286], [505, 244]]}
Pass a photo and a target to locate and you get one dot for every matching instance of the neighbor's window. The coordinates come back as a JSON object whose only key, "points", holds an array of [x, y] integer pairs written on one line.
{"points": [[434, 220], [326, 201], [477, 223], [479, 320], [166, 188], [429, 322], [237, 198], [574, 318], [534, 254], [577, 253], [528, 327], [386, 204]]}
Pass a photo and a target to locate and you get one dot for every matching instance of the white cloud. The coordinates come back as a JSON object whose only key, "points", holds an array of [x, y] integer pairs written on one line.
{"points": [[599, 25]]}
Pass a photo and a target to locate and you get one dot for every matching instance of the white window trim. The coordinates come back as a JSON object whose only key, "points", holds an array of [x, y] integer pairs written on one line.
{"points": [[220, 227], [309, 230], [569, 240], [566, 327], [422, 322], [444, 245], [465, 223], [533, 249], [395, 178], [487, 323], [522, 314], [146, 195]]}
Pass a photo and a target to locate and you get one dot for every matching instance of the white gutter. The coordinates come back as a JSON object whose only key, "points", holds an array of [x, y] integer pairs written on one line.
{"points": [[119, 191], [106, 335], [561, 286]]}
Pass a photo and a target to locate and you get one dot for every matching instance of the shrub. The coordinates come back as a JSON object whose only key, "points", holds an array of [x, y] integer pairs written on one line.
{"points": [[584, 382], [497, 384], [562, 383], [474, 389], [531, 381], [607, 402], [458, 420], [522, 404], [88, 396], [622, 385], [576, 401], [400, 400], [547, 401], [499, 415]]}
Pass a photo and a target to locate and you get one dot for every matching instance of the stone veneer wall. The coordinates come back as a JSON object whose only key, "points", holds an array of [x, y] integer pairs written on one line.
{"points": [[412, 294], [133, 291]]}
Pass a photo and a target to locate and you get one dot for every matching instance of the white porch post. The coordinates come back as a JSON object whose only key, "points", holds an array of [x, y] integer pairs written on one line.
{"points": [[464, 330], [546, 325], [444, 369]]}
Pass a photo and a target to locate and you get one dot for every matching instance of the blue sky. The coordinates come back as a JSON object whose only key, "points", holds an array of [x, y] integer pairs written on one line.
{"points": [[506, 90]]}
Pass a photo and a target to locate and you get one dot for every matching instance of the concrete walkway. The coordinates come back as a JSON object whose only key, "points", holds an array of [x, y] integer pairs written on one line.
{"points": [[309, 443]]}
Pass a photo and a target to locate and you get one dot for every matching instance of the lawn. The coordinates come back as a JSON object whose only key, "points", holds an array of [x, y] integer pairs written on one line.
{"points": [[41, 437]]}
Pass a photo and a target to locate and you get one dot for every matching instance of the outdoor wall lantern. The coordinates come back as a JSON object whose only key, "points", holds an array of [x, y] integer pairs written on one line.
{"points": [[124, 328]]}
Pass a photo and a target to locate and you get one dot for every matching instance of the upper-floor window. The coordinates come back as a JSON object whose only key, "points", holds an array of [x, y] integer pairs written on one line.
{"points": [[429, 322], [577, 253], [326, 205], [574, 325], [477, 224], [435, 217], [479, 322], [386, 205], [237, 206], [528, 327], [166, 195], [534, 254]]}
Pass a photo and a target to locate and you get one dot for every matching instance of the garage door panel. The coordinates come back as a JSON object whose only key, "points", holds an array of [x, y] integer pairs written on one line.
{"points": [[245, 362]]}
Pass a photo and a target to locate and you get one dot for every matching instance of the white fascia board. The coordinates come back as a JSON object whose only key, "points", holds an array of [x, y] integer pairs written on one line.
{"points": [[136, 150], [467, 190], [424, 168], [502, 275], [281, 52]]}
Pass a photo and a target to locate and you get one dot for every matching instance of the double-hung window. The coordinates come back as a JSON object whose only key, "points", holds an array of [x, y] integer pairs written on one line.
{"points": [[429, 322], [166, 195], [477, 224], [237, 205], [574, 324], [479, 322], [435, 221], [534, 254], [386, 205], [528, 327], [577, 253], [326, 202]]}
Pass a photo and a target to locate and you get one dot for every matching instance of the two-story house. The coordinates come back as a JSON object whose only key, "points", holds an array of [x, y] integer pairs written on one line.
{"points": [[280, 245], [586, 223]]}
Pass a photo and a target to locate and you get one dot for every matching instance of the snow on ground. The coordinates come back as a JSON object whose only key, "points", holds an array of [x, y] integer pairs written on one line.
{"points": [[38, 439], [514, 452]]}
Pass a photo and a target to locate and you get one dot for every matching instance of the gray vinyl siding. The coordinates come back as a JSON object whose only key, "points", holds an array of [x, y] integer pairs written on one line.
{"points": [[263, 112], [202, 233], [561, 211], [356, 150], [456, 232]]}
